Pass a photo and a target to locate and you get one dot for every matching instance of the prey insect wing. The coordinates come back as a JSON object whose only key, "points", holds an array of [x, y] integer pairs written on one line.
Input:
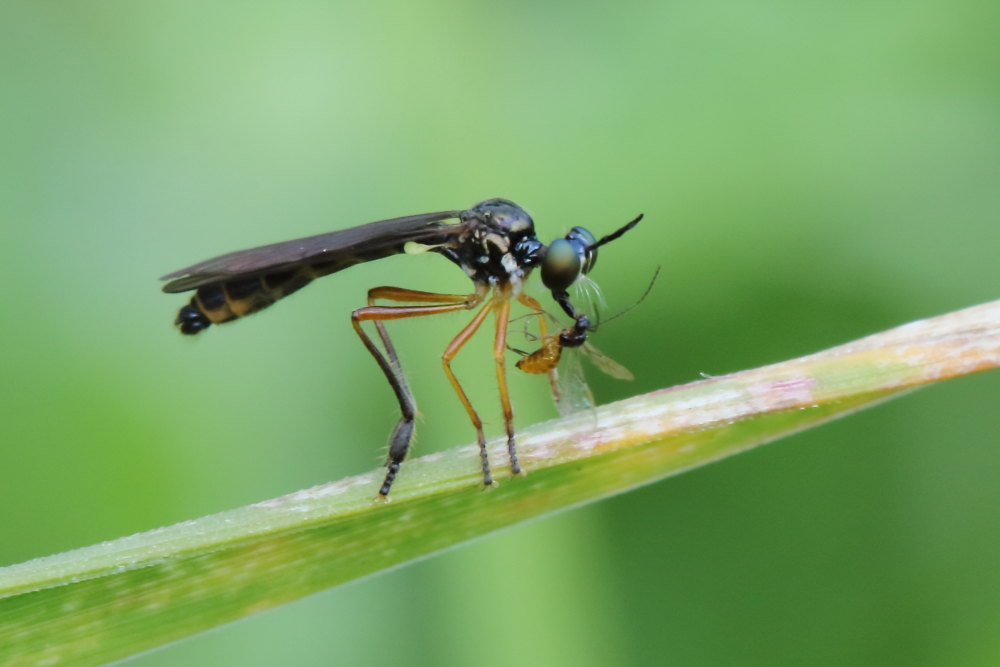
{"points": [[570, 390], [604, 363], [567, 381]]}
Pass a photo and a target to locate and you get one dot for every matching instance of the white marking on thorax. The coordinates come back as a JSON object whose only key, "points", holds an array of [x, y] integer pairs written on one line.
{"points": [[499, 241], [509, 265], [514, 274]]}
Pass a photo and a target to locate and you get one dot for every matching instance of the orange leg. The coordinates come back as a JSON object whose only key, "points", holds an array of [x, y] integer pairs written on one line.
{"points": [[411, 296], [449, 353], [537, 309], [542, 332], [402, 435], [502, 310]]}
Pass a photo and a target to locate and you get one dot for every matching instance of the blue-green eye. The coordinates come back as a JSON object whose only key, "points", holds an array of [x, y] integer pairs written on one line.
{"points": [[584, 241], [562, 265]]}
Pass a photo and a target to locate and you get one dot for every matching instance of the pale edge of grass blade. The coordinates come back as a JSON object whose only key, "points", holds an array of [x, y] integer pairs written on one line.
{"points": [[111, 600]]}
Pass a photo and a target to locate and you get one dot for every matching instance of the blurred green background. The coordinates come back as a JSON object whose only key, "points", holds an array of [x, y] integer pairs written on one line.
{"points": [[810, 173]]}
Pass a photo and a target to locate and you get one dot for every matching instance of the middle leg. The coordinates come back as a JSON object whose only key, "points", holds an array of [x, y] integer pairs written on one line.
{"points": [[502, 311], [449, 354], [543, 333]]}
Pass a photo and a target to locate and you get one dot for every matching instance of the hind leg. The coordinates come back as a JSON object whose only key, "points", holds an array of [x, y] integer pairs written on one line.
{"points": [[388, 361]]}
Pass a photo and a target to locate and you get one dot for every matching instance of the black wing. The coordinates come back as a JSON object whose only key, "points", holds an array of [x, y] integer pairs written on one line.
{"points": [[327, 253]]}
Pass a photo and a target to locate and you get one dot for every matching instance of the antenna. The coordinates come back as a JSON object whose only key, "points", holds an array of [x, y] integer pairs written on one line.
{"points": [[613, 235]]}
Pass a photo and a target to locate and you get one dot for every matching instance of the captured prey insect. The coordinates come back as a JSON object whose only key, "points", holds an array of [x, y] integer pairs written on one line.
{"points": [[568, 384], [493, 242]]}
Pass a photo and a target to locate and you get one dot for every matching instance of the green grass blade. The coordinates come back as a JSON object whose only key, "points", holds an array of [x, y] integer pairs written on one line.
{"points": [[111, 600]]}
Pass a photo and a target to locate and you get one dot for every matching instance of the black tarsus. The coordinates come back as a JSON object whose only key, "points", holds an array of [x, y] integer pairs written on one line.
{"points": [[402, 434]]}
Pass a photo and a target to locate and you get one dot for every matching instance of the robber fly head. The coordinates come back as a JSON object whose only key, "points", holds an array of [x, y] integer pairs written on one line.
{"points": [[574, 255]]}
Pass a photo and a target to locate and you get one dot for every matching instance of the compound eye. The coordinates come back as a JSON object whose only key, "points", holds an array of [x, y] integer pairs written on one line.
{"points": [[581, 234], [584, 239], [561, 266]]}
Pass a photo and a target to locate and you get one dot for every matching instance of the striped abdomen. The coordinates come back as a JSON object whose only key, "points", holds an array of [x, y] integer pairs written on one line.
{"points": [[221, 302]]}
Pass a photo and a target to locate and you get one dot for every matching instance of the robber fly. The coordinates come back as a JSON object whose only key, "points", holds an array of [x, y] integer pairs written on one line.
{"points": [[494, 242]]}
